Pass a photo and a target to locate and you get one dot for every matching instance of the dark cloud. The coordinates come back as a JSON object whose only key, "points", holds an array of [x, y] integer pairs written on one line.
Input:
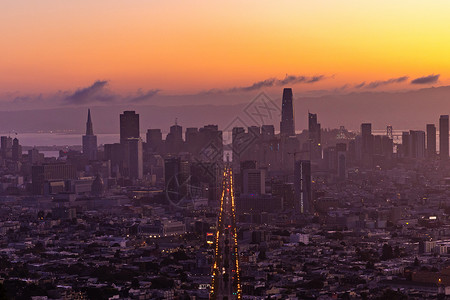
{"points": [[292, 79], [270, 82], [255, 86], [141, 96], [426, 79], [95, 92], [341, 88], [358, 86], [378, 83]]}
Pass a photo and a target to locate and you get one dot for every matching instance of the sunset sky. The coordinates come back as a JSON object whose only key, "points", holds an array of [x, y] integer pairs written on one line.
{"points": [[144, 48]]}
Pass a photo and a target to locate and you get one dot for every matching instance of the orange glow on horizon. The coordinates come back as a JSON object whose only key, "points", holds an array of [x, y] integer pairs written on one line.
{"points": [[186, 48]]}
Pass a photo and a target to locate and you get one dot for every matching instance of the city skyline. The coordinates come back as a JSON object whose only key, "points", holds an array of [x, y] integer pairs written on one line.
{"points": [[214, 150]]}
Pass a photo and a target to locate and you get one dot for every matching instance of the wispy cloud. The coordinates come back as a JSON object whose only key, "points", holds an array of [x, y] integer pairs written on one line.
{"points": [[426, 79], [270, 82], [92, 93], [98, 92], [360, 85], [142, 97], [378, 83]]}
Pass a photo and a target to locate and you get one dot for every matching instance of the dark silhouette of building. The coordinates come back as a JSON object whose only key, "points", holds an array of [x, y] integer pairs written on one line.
{"points": [[314, 136], [443, 137], [192, 140], [287, 127], [40, 174], [210, 140], [34, 157], [133, 164], [238, 144], [431, 140], [177, 179], [16, 150], [285, 191], [90, 140], [97, 186], [6, 147], [406, 148], [254, 181], [205, 180], [267, 132], [341, 151], [115, 154], [129, 126], [154, 140], [417, 143], [302, 186], [366, 144], [174, 139]]}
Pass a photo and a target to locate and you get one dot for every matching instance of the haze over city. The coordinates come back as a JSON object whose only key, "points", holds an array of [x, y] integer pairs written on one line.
{"points": [[184, 150]]}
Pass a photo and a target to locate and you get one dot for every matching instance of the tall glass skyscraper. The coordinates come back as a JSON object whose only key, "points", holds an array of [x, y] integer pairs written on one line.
{"points": [[287, 127]]}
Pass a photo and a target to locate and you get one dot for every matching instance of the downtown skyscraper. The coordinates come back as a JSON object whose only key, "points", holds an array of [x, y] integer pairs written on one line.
{"points": [[431, 140], [287, 127], [314, 136], [129, 126], [90, 140], [443, 137]]}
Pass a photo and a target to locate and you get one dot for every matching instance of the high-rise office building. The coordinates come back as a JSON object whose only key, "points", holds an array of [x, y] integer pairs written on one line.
{"points": [[406, 144], [254, 181], [255, 130], [443, 137], [313, 128], [330, 159], [387, 147], [16, 150], [431, 140], [115, 154], [90, 140], [366, 144], [133, 158], [303, 186], [177, 179], [6, 147], [314, 136], [34, 157], [192, 140], [417, 143], [154, 140], [174, 139], [267, 132], [287, 127], [341, 150], [238, 144], [210, 139], [129, 126], [40, 174]]}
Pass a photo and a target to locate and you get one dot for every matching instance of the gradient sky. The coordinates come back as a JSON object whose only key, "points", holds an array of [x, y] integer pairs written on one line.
{"points": [[185, 47]]}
